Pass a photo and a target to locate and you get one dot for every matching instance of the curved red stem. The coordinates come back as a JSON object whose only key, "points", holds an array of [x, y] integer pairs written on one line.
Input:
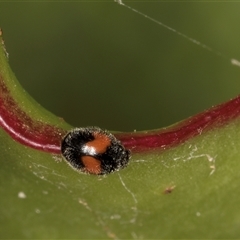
{"points": [[196, 125], [23, 128], [42, 136]]}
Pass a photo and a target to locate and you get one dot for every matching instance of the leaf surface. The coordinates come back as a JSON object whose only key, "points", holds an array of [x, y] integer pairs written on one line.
{"points": [[187, 191]]}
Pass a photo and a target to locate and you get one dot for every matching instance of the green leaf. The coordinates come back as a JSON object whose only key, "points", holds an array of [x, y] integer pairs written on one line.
{"points": [[187, 191]]}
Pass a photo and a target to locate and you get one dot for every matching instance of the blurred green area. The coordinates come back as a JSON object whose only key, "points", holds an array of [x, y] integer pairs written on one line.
{"points": [[98, 63], [102, 64]]}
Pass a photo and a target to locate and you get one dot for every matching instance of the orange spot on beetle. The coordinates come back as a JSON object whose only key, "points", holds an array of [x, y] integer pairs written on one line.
{"points": [[92, 165], [100, 142]]}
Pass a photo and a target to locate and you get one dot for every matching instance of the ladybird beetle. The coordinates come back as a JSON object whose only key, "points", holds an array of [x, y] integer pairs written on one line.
{"points": [[95, 151]]}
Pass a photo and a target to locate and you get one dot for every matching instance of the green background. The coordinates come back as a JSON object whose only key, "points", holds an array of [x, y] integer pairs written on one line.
{"points": [[98, 63]]}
